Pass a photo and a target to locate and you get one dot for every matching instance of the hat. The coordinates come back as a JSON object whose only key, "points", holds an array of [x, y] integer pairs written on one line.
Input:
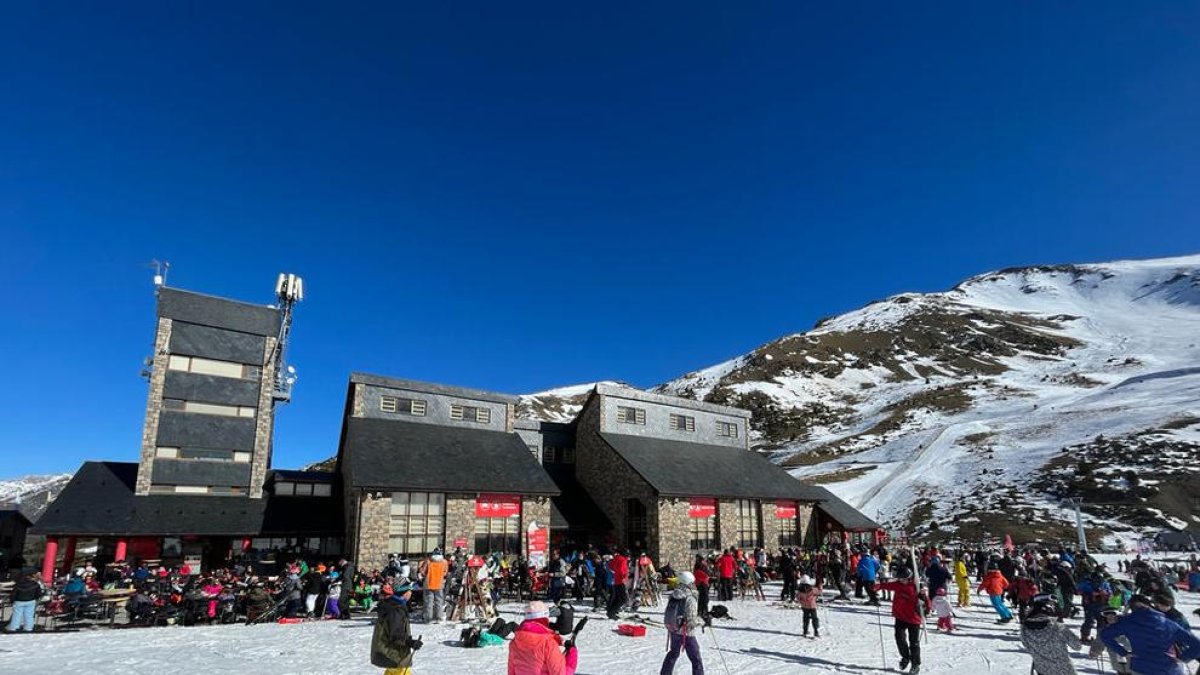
{"points": [[805, 580], [536, 610], [686, 578], [1065, 564]]}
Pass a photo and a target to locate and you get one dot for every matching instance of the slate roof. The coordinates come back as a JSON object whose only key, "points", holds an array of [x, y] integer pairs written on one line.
{"points": [[575, 509], [850, 518], [5, 514], [680, 468], [99, 501], [210, 310], [395, 455]]}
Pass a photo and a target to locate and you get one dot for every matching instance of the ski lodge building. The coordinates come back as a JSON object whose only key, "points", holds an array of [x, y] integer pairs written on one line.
{"points": [[418, 466]]}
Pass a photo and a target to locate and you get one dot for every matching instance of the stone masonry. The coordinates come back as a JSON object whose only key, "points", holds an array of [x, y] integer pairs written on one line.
{"points": [[674, 543], [533, 510], [460, 519], [374, 527], [609, 480], [770, 525], [158, 376], [264, 423], [727, 522]]}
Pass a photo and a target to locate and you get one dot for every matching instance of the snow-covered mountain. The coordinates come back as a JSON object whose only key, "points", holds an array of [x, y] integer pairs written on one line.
{"points": [[979, 409], [558, 405], [31, 494]]}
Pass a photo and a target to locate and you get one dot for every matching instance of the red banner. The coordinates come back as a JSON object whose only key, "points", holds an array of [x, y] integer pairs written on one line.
{"points": [[497, 506], [702, 507], [785, 509], [537, 542]]}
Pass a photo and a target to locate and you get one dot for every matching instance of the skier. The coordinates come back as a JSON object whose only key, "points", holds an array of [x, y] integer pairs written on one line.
{"points": [[787, 572], [1094, 594], [1047, 640], [434, 596], [868, 569], [701, 573], [534, 649], [392, 644], [333, 603], [995, 583], [682, 620], [619, 565], [725, 570], [807, 595], [963, 580], [908, 618], [945, 613], [1153, 638], [1025, 589]]}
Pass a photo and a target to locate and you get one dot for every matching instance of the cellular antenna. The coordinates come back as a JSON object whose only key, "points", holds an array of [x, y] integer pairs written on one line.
{"points": [[289, 289], [161, 267]]}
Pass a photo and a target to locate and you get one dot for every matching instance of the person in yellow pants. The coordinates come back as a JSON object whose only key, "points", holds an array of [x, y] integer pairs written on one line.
{"points": [[963, 580], [392, 645]]}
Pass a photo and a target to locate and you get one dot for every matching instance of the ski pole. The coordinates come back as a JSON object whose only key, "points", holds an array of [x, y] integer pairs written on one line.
{"points": [[719, 652], [879, 622]]}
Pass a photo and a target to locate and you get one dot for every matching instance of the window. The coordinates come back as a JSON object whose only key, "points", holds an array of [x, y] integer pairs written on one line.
{"points": [[206, 454], [469, 413], [167, 453], [498, 534], [406, 406], [241, 457], [749, 530], [304, 489], [729, 429], [636, 523], [682, 423], [568, 455], [631, 415], [787, 532], [285, 489], [192, 489], [195, 364], [418, 523], [322, 490], [550, 455], [702, 534], [209, 408]]}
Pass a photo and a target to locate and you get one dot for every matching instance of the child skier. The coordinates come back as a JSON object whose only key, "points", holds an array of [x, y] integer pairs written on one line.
{"points": [[995, 584], [807, 595], [945, 613]]}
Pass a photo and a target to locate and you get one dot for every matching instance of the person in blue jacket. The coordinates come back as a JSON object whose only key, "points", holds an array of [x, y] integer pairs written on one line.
{"points": [[868, 570], [937, 575], [1159, 646]]}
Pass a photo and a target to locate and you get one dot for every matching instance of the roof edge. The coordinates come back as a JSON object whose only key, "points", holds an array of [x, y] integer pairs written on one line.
{"points": [[432, 388], [635, 394]]}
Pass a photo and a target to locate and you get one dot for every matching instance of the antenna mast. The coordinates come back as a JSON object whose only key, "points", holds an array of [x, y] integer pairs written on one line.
{"points": [[289, 289]]}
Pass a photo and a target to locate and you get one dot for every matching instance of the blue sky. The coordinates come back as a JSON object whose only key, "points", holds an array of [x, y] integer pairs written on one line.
{"points": [[517, 196]]}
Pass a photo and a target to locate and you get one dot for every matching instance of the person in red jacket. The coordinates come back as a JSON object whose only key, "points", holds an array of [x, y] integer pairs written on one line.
{"points": [[619, 566], [726, 568], [906, 611], [535, 647], [700, 571]]}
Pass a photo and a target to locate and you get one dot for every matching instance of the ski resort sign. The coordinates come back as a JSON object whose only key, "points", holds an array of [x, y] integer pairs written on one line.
{"points": [[785, 510], [702, 507], [497, 506]]}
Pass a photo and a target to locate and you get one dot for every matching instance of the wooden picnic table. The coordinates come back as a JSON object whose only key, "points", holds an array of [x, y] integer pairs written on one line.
{"points": [[113, 604]]}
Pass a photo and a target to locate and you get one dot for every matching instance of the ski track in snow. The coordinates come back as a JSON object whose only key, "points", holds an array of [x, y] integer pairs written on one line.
{"points": [[764, 640]]}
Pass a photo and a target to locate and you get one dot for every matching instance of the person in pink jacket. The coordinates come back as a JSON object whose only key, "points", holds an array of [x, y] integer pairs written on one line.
{"points": [[807, 594], [536, 649], [211, 590]]}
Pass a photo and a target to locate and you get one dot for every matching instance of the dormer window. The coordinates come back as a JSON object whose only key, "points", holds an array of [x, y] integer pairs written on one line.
{"points": [[404, 406], [727, 429], [467, 413], [631, 415], [682, 423]]}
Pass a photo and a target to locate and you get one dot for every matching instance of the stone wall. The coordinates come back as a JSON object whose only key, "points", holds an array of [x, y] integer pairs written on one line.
{"points": [[460, 519], [533, 510], [158, 375], [727, 522], [609, 480], [374, 525], [264, 432], [674, 536], [770, 526]]}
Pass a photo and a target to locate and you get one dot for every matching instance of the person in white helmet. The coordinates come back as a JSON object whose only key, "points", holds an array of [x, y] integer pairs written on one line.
{"points": [[682, 621]]}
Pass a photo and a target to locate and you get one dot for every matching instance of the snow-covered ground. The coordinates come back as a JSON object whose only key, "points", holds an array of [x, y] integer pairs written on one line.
{"points": [[763, 640]]}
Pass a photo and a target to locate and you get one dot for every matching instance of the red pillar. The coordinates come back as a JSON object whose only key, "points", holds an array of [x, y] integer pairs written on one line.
{"points": [[122, 546], [48, 561], [69, 553]]}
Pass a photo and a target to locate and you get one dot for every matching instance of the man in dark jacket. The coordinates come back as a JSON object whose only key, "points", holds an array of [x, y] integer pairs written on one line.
{"points": [[25, 594], [787, 571], [1153, 639], [937, 575], [392, 644], [346, 572]]}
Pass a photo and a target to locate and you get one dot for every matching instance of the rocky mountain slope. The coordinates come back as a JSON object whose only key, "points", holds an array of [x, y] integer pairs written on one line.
{"points": [[977, 410], [31, 494]]}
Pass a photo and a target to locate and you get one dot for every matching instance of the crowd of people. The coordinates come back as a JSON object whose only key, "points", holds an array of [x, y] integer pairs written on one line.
{"points": [[1128, 617]]}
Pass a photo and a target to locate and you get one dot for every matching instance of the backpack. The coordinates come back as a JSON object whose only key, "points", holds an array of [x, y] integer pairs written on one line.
{"points": [[675, 616]]}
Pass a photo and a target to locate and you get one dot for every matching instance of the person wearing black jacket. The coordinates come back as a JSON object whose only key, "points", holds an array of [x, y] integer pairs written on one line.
{"points": [[787, 571], [25, 595], [313, 586], [346, 572], [392, 644]]}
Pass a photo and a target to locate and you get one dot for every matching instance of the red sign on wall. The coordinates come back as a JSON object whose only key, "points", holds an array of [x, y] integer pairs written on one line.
{"points": [[785, 509], [497, 506], [537, 540], [702, 507]]}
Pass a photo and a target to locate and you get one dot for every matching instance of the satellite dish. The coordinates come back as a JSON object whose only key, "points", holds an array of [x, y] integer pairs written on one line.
{"points": [[291, 369]]}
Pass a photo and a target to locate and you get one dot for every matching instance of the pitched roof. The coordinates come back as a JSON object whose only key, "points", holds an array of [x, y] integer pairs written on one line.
{"points": [[432, 388], [100, 501], [575, 508], [850, 518], [680, 468], [397, 455], [5, 514]]}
